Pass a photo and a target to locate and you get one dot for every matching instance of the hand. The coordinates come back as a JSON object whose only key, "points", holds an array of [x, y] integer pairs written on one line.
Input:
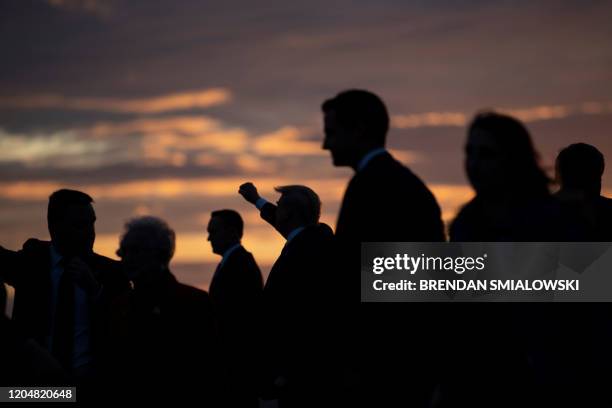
{"points": [[82, 276], [249, 192]]}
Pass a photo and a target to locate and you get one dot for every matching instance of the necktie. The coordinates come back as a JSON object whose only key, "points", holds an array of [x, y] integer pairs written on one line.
{"points": [[63, 329]]}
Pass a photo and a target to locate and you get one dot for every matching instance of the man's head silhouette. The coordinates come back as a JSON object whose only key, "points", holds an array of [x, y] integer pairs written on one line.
{"points": [[298, 206], [71, 219], [224, 230], [579, 167], [356, 122]]}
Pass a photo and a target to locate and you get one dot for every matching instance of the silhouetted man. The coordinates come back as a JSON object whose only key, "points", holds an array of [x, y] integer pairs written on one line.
{"points": [[63, 288], [235, 292], [579, 170], [384, 200], [163, 338], [296, 296]]}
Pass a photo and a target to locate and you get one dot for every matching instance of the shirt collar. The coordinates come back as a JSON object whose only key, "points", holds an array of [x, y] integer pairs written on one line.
{"points": [[56, 257], [228, 252], [294, 233], [369, 156]]}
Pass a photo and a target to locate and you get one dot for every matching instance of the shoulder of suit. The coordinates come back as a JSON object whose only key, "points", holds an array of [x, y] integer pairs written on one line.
{"points": [[36, 245], [319, 231], [105, 259], [326, 229], [107, 265], [385, 164], [241, 256], [606, 201], [469, 209], [192, 293], [110, 272], [238, 253]]}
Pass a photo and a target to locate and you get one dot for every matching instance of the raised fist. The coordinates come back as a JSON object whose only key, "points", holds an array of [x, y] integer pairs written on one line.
{"points": [[249, 192]]}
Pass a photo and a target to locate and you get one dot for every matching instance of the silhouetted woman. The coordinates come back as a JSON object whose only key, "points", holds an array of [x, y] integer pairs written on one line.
{"points": [[513, 203], [512, 200]]}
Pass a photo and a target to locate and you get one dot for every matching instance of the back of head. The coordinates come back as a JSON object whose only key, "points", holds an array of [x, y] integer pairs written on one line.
{"points": [[508, 151], [580, 166], [303, 202], [148, 235], [354, 108]]}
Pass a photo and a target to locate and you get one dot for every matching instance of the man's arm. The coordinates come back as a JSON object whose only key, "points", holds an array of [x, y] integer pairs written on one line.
{"points": [[267, 210]]}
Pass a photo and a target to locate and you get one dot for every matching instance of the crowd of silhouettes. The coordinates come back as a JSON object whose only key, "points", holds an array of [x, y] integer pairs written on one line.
{"points": [[128, 329]]}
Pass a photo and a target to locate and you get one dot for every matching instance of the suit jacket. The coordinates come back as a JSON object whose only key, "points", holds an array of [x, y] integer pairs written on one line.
{"points": [[296, 307], [592, 216], [235, 293], [236, 286], [386, 202], [163, 344], [29, 272]]}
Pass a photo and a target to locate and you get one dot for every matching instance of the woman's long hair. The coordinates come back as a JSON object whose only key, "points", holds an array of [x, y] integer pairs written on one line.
{"points": [[522, 174]]}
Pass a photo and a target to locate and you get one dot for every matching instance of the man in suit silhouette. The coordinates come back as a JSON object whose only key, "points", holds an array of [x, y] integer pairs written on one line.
{"points": [[384, 201], [579, 169], [235, 293], [296, 295], [62, 288], [164, 344]]}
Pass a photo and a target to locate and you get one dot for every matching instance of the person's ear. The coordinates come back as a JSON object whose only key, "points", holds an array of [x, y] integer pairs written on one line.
{"points": [[359, 133], [233, 233]]}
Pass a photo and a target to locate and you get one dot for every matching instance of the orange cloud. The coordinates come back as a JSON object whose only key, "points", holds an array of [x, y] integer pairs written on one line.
{"points": [[37, 149], [192, 245], [286, 141], [450, 196], [429, 119], [251, 163], [166, 103], [528, 114], [168, 139], [169, 188], [538, 113]]}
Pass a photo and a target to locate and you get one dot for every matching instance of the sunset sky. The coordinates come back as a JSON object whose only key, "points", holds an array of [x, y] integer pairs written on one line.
{"points": [[166, 107]]}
